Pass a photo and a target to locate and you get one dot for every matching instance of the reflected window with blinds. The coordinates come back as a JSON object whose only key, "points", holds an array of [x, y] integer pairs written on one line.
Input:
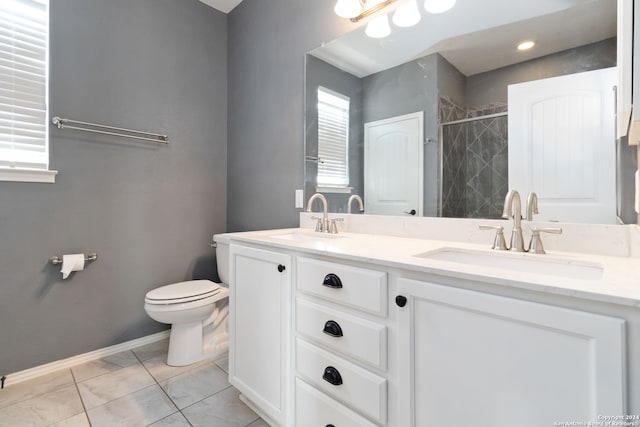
{"points": [[24, 38], [333, 140]]}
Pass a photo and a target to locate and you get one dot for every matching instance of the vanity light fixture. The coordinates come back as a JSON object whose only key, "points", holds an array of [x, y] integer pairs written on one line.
{"points": [[356, 10], [378, 27], [407, 15], [438, 6], [526, 45]]}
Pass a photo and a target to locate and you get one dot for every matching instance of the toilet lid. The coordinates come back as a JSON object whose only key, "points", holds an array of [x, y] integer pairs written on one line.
{"points": [[193, 289]]}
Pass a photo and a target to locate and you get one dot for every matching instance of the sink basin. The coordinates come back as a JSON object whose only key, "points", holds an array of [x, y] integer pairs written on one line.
{"points": [[519, 262], [307, 235]]}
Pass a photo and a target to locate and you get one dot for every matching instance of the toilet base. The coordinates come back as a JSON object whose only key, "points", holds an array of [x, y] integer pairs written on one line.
{"points": [[185, 344]]}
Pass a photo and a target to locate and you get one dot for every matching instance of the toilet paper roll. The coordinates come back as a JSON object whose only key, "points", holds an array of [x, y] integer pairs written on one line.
{"points": [[71, 262]]}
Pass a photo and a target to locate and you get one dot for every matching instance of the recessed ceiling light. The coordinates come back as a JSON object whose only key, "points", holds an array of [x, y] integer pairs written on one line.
{"points": [[526, 45]]}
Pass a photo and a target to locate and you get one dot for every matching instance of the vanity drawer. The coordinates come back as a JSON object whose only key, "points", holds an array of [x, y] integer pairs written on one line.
{"points": [[346, 382], [315, 409], [363, 340], [352, 286]]}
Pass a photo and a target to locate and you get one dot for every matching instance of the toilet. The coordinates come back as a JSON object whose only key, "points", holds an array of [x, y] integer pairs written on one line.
{"points": [[197, 311]]}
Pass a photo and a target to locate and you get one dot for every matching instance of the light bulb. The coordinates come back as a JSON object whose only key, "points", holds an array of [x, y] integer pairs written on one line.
{"points": [[378, 27], [526, 45], [407, 15], [348, 8], [438, 6]]}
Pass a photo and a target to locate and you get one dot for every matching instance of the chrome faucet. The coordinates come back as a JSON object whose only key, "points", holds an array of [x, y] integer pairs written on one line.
{"points": [[323, 223], [532, 205], [351, 199], [513, 209]]}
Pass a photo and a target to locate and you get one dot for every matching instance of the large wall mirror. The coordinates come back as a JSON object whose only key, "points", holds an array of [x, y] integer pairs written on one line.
{"points": [[487, 116]]}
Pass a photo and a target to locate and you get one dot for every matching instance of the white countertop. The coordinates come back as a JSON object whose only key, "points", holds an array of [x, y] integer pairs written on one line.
{"points": [[618, 284]]}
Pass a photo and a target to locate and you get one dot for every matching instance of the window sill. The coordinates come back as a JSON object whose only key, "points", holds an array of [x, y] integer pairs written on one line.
{"points": [[28, 175], [343, 190]]}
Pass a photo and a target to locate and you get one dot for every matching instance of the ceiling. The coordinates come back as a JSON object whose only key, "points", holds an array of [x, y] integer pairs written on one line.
{"points": [[225, 6], [478, 36]]}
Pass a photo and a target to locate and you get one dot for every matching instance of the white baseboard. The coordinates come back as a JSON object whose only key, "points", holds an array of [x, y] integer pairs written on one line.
{"points": [[27, 374]]}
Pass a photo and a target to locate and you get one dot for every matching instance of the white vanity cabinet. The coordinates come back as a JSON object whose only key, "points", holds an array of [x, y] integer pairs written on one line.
{"points": [[340, 345], [260, 329], [471, 358]]}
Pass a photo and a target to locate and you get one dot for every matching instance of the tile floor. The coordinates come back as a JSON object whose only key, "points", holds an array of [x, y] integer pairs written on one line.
{"points": [[132, 388]]}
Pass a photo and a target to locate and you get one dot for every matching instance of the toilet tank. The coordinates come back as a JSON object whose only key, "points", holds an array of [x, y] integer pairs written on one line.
{"points": [[222, 256]]}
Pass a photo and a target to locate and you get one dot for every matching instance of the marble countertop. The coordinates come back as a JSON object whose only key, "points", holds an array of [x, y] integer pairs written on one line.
{"points": [[616, 279]]}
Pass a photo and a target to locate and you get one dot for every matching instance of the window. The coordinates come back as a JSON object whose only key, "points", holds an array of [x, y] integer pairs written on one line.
{"points": [[333, 141], [24, 36]]}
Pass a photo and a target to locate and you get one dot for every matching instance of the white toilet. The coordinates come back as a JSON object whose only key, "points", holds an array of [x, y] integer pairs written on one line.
{"points": [[197, 311]]}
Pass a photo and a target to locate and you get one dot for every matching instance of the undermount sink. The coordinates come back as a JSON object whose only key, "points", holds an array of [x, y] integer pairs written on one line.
{"points": [[307, 235], [520, 262]]}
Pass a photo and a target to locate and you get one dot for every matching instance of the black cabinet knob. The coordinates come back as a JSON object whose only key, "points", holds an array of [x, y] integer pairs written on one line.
{"points": [[332, 376], [411, 212], [330, 425], [281, 268], [332, 328], [401, 301], [332, 281]]}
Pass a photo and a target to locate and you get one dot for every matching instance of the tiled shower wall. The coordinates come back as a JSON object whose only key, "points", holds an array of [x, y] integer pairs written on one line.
{"points": [[474, 161]]}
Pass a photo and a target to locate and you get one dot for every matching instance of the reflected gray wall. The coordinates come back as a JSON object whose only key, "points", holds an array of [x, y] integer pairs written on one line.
{"points": [[320, 73], [406, 89], [147, 210], [491, 87]]}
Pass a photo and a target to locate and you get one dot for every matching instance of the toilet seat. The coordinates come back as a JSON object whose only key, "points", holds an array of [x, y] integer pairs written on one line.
{"points": [[183, 292]]}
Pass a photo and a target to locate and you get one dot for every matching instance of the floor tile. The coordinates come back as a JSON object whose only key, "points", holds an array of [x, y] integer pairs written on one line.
{"points": [[152, 350], [223, 364], [79, 420], [175, 420], [100, 390], [223, 409], [195, 385], [141, 408], [28, 389], [104, 365], [43, 410], [158, 368], [259, 423]]}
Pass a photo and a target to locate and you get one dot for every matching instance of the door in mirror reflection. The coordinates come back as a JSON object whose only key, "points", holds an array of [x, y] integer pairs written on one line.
{"points": [[562, 145], [393, 165]]}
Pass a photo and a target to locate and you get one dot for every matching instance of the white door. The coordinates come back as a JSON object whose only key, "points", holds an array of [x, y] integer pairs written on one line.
{"points": [[472, 359], [393, 159], [259, 328], [562, 145]]}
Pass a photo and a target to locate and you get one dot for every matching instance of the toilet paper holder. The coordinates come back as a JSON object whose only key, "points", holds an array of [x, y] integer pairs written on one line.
{"points": [[58, 260]]}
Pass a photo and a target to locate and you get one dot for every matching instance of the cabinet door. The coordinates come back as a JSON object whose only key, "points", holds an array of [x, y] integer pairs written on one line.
{"points": [[259, 328], [469, 358]]}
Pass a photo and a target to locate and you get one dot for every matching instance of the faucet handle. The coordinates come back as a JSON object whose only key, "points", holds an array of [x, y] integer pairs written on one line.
{"points": [[499, 244], [535, 246], [333, 229], [319, 224]]}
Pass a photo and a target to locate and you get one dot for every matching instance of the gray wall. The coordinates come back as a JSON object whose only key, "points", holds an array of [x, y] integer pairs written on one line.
{"points": [[147, 210], [268, 41], [320, 73]]}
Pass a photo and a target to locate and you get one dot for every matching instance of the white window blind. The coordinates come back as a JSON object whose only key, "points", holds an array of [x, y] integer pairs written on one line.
{"points": [[23, 83], [333, 139]]}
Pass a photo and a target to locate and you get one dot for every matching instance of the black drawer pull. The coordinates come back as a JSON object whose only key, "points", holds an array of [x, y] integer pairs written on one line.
{"points": [[332, 281], [401, 300], [281, 268], [332, 328], [330, 425], [332, 376]]}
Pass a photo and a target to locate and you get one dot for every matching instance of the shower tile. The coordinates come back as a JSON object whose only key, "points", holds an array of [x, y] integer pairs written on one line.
{"points": [[104, 365], [220, 410], [35, 387], [195, 385], [141, 408], [100, 390], [43, 410]]}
